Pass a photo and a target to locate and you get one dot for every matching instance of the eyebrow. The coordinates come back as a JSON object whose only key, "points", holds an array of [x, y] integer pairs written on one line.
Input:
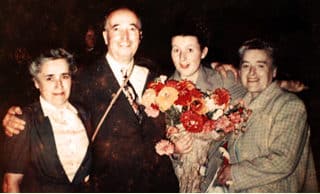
{"points": [[50, 75], [259, 61], [132, 24]]}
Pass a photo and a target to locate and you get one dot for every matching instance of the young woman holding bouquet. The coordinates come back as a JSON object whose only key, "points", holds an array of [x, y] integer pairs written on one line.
{"points": [[189, 47]]}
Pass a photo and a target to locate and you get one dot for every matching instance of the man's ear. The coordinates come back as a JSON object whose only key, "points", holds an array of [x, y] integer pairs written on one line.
{"points": [[204, 52], [104, 34], [35, 82]]}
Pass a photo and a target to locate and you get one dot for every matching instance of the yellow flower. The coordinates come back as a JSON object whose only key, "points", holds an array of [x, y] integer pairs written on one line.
{"points": [[166, 97], [149, 97]]}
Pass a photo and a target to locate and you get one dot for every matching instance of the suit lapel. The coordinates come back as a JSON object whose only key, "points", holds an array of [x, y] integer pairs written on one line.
{"points": [[45, 133]]}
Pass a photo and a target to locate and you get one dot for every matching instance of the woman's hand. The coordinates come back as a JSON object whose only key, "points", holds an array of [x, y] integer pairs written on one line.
{"points": [[183, 144]]}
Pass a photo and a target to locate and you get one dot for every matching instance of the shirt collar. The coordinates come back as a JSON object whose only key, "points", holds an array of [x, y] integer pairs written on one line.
{"points": [[48, 108], [115, 65], [138, 76]]}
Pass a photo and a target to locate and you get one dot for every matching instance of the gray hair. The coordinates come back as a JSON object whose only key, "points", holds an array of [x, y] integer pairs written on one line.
{"points": [[50, 55], [259, 45]]}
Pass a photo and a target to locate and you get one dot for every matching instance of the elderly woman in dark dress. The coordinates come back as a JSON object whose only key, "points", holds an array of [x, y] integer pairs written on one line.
{"points": [[51, 154]]}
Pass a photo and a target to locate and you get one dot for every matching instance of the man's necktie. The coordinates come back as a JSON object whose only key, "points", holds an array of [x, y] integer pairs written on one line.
{"points": [[132, 97]]}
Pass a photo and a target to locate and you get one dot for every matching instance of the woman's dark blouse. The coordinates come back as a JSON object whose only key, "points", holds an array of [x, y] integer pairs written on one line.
{"points": [[33, 153]]}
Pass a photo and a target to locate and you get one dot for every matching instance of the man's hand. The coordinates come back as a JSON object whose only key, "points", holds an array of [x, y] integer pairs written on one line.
{"points": [[224, 68], [292, 85], [183, 144], [11, 123]]}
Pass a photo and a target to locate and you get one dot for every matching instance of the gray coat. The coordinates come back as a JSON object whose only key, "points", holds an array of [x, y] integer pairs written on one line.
{"points": [[274, 154]]}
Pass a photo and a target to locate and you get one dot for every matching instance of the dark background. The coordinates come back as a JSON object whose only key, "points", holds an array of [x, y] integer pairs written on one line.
{"points": [[293, 25]]}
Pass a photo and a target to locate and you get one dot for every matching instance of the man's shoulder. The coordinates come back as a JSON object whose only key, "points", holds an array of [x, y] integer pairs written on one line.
{"points": [[148, 65]]}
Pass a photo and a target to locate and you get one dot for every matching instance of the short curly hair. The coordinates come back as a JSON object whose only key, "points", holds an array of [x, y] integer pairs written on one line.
{"points": [[49, 55], [259, 44]]}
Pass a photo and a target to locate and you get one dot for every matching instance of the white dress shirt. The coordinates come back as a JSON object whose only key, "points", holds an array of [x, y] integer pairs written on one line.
{"points": [[69, 134], [138, 76]]}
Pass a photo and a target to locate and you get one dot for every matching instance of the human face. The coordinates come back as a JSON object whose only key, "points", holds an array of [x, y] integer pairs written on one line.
{"points": [[54, 82], [90, 39], [122, 35], [186, 55], [256, 71]]}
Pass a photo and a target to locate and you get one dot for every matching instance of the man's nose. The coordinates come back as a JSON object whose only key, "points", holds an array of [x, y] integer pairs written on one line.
{"points": [[125, 35]]}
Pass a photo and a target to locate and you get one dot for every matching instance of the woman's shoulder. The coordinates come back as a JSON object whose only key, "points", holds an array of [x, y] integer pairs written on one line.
{"points": [[288, 100]]}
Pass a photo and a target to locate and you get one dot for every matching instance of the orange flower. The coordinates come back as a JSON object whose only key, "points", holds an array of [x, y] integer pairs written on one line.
{"points": [[166, 98], [198, 105]]}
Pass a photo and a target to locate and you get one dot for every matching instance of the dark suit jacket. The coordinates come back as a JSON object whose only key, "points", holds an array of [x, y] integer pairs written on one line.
{"points": [[34, 154], [124, 158]]}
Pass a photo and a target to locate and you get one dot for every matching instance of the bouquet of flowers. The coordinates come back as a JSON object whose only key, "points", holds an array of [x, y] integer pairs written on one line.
{"points": [[207, 116]]}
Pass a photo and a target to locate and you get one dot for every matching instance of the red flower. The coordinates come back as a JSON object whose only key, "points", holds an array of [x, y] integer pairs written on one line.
{"points": [[157, 86], [187, 91], [221, 96], [185, 84], [184, 97], [172, 83], [209, 125], [155, 106], [192, 122]]}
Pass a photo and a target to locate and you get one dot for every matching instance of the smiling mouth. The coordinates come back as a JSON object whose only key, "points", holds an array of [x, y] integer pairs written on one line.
{"points": [[253, 79], [58, 94], [125, 44], [184, 66]]}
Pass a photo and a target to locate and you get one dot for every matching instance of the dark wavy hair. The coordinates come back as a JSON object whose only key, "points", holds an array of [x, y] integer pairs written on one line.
{"points": [[193, 27]]}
